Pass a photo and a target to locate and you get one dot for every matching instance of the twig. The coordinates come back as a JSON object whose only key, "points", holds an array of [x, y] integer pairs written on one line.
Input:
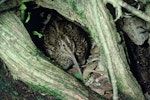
{"points": [[135, 11]]}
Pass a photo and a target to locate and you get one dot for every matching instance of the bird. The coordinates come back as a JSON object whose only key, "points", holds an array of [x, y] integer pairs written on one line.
{"points": [[66, 44]]}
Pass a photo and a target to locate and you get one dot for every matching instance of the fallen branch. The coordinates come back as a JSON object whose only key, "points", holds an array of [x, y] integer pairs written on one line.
{"points": [[28, 65]]}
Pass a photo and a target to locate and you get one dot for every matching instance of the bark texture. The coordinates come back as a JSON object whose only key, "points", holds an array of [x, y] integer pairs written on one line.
{"points": [[94, 15], [26, 63]]}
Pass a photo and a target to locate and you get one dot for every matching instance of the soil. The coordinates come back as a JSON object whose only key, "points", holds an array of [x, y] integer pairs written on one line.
{"points": [[140, 63], [11, 89]]}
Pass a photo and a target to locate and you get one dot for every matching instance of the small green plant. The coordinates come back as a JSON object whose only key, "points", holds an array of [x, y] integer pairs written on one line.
{"points": [[22, 10], [37, 34], [78, 76], [15, 93], [28, 17]]}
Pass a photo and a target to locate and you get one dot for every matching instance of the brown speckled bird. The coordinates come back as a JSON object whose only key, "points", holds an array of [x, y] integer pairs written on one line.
{"points": [[65, 44]]}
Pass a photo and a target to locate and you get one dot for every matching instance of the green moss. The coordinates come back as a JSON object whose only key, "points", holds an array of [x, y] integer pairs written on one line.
{"points": [[121, 89], [78, 11], [56, 93], [5, 85], [125, 96], [15, 93], [74, 7], [119, 84]]}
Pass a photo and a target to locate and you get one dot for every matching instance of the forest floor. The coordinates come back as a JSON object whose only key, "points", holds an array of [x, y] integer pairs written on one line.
{"points": [[11, 89], [140, 64]]}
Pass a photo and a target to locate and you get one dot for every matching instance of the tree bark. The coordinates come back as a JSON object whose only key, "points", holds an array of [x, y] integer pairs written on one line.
{"points": [[94, 16], [26, 63]]}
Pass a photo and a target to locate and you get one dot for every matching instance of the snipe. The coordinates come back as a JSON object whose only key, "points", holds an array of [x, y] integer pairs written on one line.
{"points": [[65, 43]]}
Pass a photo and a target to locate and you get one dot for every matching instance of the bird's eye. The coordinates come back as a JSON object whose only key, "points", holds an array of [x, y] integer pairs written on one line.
{"points": [[63, 44]]}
